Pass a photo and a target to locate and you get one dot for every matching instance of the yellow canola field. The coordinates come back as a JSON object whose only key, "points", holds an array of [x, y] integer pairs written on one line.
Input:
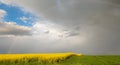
{"points": [[42, 57]]}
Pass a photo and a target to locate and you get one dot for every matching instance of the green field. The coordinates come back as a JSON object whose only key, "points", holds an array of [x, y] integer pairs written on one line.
{"points": [[92, 60], [73, 60]]}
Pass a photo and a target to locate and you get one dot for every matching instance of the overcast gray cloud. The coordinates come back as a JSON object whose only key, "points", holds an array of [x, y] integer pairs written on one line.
{"points": [[86, 26], [4, 45]]}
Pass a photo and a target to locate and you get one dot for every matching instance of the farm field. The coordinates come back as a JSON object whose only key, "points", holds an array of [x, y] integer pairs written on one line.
{"points": [[58, 59]]}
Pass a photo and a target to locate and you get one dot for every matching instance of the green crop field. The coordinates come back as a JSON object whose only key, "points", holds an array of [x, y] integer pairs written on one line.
{"points": [[68, 59]]}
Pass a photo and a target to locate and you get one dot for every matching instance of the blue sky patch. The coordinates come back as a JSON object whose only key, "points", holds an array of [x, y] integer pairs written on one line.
{"points": [[15, 14]]}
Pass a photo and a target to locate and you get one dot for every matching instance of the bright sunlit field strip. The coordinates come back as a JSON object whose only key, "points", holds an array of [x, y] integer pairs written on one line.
{"points": [[43, 57]]}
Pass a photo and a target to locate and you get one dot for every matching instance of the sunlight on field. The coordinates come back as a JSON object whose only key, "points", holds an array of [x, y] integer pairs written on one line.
{"points": [[43, 57]]}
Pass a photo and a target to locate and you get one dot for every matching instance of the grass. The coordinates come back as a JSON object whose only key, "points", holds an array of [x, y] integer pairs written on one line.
{"points": [[58, 59], [93, 60]]}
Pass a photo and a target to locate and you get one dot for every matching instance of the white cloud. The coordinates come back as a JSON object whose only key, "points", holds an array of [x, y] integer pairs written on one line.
{"points": [[2, 14], [48, 29], [10, 28], [53, 30], [24, 19], [5, 1]]}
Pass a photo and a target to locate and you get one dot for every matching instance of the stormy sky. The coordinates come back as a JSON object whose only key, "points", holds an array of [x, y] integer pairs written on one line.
{"points": [[80, 26]]}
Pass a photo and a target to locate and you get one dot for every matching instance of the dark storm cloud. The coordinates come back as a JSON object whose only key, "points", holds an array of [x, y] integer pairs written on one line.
{"points": [[93, 25], [117, 2]]}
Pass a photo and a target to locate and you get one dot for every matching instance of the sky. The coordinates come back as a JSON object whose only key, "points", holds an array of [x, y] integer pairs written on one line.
{"points": [[47, 26]]}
